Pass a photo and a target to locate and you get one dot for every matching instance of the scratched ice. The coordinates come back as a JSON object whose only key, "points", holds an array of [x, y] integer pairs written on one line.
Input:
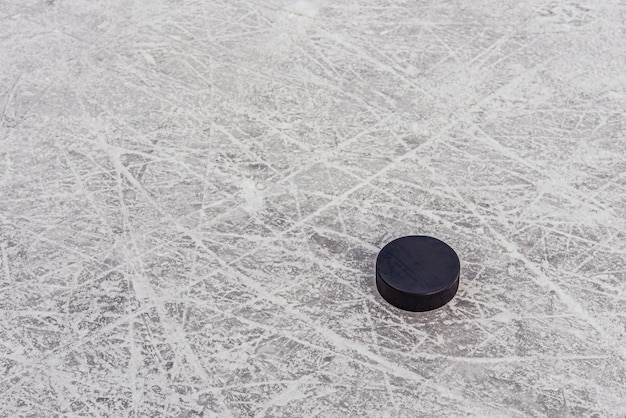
{"points": [[192, 196]]}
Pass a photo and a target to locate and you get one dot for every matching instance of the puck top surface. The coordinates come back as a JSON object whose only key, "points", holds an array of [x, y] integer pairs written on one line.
{"points": [[417, 273]]}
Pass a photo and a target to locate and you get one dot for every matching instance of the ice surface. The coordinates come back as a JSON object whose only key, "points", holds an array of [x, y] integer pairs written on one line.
{"points": [[193, 194]]}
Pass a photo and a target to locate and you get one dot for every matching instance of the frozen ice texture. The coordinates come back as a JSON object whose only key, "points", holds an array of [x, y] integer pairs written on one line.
{"points": [[193, 194]]}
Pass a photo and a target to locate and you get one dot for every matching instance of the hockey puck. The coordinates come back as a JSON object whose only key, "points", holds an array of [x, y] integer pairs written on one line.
{"points": [[417, 273]]}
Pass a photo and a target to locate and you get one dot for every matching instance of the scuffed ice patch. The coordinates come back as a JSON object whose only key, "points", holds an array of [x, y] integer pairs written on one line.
{"points": [[192, 197]]}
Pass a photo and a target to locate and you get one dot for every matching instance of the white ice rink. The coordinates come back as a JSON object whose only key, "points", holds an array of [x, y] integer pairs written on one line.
{"points": [[193, 194]]}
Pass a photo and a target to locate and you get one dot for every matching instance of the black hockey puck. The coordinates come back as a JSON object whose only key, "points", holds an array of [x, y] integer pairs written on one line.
{"points": [[417, 273]]}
